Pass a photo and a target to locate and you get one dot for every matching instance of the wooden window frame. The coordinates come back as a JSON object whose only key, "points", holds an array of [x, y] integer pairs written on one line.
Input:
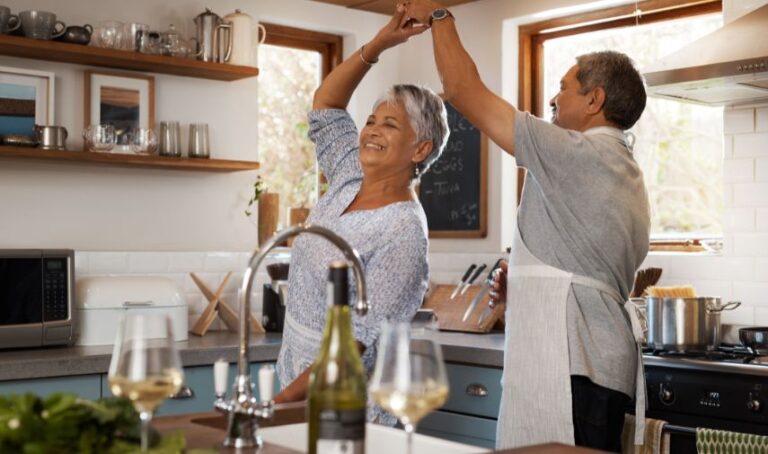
{"points": [[330, 46], [533, 36]]}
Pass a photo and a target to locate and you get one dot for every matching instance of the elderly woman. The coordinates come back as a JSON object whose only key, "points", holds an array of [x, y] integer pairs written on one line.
{"points": [[370, 202]]}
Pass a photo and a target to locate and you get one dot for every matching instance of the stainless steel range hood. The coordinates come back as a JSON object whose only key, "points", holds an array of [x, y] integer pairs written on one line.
{"points": [[725, 68]]}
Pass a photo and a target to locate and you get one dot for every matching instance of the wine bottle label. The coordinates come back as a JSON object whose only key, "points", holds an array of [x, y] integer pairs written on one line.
{"points": [[341, 431]]}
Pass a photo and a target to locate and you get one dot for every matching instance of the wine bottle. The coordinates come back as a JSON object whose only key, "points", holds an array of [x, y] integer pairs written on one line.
{"points": [[337, 383]]}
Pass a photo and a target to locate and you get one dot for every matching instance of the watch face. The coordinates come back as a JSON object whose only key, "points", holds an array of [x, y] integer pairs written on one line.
{"points": [[439, 14]]}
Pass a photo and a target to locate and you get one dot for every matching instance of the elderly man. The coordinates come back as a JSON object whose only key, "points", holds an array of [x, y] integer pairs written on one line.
{"points": [[571, 360]]}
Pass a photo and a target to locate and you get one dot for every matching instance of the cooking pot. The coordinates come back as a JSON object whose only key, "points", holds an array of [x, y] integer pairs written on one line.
{"points": [[685, 324], [756, 339]]}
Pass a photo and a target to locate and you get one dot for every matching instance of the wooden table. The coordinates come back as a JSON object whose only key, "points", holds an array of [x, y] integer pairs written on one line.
{"points": [[206, 431]]}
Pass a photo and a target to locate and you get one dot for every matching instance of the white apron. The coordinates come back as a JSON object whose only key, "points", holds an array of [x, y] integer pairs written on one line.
{"points": [[536, 405]]}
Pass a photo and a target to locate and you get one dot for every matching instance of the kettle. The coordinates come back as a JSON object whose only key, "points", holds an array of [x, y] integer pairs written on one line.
{"points": [[245, 38], [208, 28]]}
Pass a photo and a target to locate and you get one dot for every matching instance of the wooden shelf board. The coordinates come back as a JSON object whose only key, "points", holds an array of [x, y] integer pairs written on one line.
{"points": [[17, 46], [129, 160]]}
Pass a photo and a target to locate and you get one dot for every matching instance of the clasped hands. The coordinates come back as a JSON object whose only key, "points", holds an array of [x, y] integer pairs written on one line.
{"points": [[411, 18]]}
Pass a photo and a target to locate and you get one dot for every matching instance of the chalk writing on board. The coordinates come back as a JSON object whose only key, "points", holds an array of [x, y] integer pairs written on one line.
{"points": [[452, 189]]}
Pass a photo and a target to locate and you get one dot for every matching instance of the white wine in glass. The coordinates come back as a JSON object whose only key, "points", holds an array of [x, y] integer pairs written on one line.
{"points": [[409, 380], [145, 366]]}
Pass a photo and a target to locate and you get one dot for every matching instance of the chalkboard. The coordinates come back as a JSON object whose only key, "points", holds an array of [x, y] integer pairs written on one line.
{"points": [[454, 190]]}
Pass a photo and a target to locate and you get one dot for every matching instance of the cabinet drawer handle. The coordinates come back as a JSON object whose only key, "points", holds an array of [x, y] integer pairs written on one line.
{"points": [[477, 390], [184, 393]]}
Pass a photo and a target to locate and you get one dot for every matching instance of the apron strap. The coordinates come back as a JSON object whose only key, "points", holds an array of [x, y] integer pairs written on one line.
{"points": [[637, 333]]}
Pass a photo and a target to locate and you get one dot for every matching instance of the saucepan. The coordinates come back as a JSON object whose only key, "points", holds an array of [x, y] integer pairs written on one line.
{"points": [[755, 339], [685, 324]]}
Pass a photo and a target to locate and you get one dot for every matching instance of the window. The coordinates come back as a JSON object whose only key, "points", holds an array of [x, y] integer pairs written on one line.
{"points": [[292, 63], [678, 146]]}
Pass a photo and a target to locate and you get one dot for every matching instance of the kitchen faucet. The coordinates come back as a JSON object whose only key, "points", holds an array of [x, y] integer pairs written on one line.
{"points": [[243, 408]]}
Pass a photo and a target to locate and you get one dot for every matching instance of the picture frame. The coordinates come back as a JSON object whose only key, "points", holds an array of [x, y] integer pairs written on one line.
{"points": [[26, 99], [123, 100]]}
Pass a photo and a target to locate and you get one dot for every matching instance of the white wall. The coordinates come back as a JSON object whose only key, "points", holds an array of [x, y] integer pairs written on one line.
{"points": [[104, 208]]}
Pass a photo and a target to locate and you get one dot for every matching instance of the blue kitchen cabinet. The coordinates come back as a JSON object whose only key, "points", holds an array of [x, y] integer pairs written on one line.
{"points": [[85, 386], [199, 380], [470, 413]]}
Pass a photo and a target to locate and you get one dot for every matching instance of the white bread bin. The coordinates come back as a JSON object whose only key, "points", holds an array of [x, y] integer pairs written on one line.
{"points": [[101, 301]]}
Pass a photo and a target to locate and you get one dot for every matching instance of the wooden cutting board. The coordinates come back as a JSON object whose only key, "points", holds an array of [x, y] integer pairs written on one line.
{"points": [[450, 311]]}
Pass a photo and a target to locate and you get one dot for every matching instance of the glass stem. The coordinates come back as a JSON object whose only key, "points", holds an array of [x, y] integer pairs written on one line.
{"points": [[146, 417], [409, 429]]}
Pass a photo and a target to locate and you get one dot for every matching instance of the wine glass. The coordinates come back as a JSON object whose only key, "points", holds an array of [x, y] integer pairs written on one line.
{"points": [[409, 379], [145, 365]]}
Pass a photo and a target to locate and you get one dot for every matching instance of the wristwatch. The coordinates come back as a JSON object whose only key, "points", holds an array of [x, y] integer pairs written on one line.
{"points": [[439, 14]]}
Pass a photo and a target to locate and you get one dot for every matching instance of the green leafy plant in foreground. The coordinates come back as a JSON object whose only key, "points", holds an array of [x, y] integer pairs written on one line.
{"points": [[64, 423]]}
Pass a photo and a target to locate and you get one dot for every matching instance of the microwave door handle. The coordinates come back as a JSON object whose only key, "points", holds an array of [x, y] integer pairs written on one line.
{"points": [[138, 303]]}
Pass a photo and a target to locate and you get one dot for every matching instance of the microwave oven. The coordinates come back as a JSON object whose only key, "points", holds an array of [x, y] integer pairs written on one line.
{"points": [[36, 295]]}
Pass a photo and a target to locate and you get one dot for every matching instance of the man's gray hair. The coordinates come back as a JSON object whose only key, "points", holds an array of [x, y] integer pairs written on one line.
{"points": [[623, 85], [428, 118]]}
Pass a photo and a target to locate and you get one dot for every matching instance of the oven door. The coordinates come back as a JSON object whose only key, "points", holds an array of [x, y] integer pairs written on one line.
{"points": [[21, 298], [690, 398]]}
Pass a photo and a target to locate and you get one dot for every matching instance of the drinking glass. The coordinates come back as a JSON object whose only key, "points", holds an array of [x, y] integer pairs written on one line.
{"points": [[145, 365], [100, 138], [409, 379], [142, 140]]}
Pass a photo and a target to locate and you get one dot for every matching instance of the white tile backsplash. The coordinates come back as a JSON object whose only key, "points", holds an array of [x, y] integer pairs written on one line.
{"points": [[737, 121], [148, 262], [751, 293], [108, 262], [750, 245], [761, 120], [761, 169], [761, 219], [728, 146], [750, 145], [221, 262], [750, 195], [739, 219], [739, 170], [186, 262]]}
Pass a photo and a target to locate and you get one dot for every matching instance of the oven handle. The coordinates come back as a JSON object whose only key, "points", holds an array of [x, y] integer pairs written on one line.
{"points": [[680, 430]]}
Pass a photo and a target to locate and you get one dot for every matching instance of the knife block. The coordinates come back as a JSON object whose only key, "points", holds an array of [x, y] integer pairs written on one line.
{"points": [[450, 311]]}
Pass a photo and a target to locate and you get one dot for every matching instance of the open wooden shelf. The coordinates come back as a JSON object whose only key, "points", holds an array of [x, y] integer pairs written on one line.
{"points": [[17, 46], [129, 160]]}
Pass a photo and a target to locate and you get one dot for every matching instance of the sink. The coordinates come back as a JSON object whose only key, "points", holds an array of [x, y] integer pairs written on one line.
{"points": [[378, 440]]}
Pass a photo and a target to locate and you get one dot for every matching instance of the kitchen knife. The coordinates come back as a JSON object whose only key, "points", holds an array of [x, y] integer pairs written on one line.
{"points": [[472, 279], [484, 289], [463, 280]]}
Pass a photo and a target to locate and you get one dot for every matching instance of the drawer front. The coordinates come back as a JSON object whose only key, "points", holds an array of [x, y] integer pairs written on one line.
{"points": [[459, 428], [474, 390], [85, 386]]}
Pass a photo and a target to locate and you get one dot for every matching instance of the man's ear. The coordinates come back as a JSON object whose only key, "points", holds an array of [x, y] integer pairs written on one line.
{"points": [[423, 150], [596, 100]]}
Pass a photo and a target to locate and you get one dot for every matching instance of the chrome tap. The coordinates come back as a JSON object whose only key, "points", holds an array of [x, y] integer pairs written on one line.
{"points": [[243, 408]]}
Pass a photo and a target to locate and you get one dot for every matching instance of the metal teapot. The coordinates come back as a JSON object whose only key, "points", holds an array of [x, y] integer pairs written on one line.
{"points": [[209, 27], [245, 35]]}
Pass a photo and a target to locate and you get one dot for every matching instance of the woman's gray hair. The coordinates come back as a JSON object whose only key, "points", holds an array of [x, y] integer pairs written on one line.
{"points": [[428, 118]]}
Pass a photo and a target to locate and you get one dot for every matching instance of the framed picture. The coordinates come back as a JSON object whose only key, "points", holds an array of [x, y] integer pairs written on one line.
{"points": [[26, 99], [125, 101]]}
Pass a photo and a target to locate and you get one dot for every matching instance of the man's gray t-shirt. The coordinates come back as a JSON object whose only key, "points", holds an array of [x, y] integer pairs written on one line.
{"points": [[585, 210]]}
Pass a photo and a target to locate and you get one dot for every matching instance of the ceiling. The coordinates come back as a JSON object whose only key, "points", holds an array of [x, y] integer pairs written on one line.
{"points": [[382, 6]]}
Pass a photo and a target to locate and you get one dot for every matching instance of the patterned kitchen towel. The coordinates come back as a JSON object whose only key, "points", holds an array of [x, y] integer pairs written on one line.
{"points": [[655, 440], [709, 441]]}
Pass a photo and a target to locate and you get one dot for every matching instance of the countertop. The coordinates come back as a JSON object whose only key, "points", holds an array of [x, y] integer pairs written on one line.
{"points": [[473, 349], [206, 431]]}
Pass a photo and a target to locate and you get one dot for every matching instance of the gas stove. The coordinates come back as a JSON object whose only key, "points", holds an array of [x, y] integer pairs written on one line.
{"points": [[724, 389]]}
